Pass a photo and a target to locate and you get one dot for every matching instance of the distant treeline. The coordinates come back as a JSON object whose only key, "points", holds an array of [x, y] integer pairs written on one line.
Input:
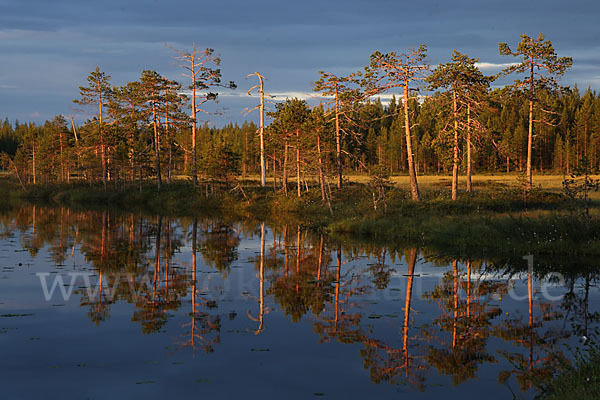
{"points": [[575, 133], [142, 130]]}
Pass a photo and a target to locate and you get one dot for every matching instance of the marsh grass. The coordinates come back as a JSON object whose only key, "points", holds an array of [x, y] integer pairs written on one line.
{"points": [[579, 381], [496, 219]]}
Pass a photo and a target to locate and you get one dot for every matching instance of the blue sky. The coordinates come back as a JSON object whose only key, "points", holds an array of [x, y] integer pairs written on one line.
{"points": [[47, 48]]}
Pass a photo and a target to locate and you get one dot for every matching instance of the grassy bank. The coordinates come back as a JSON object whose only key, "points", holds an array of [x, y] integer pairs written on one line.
{"points": [[580, 381], [497, 219]]}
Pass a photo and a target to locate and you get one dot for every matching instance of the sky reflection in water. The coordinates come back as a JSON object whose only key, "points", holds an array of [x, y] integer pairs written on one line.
{"points": [[276, 312]]}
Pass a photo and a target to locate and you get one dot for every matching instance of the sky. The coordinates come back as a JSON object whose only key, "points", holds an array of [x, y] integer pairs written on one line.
{"points": [[48, 48]]}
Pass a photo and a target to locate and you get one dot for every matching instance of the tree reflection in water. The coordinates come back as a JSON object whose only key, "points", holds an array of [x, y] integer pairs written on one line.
{"points": [[154, 264]]}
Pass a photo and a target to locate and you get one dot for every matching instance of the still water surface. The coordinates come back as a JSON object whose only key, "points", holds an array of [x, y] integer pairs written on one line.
{"points": [[103, 305]]}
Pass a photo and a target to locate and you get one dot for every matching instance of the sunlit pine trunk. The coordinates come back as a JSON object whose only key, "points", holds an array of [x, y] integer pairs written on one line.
{"points": [[469, 184], [321, 175], [156, 145], [131, 143], [455, 155], [62, 161], [285, 171], [299, 185], [414, 187], [101, 133], [167, 136], [530, 131], [338, 139], [274, 172], [244, 156], [33, 161], [170, 164]]}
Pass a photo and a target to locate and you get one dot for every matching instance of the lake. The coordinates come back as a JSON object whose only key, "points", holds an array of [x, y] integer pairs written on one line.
{"points": [[101, 304]]}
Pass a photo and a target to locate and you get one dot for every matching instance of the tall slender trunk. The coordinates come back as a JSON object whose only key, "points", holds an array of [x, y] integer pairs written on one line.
{"points": [[338, 139], [321, 177], [299, 186], [469, 184], [530, 132], [455, 155], [62, 161], [285, 162], [414, 187], [101, 134], [274, 172], [131, 143], [263, 173], [156, 145], [168, 137], [33, 160], [194, 112]]}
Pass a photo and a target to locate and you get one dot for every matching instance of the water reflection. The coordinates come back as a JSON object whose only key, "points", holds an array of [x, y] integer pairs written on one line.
{"points": [[414, 317]]}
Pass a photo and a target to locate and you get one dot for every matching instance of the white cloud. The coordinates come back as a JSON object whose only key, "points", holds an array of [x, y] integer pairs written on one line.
{"points": [[489, 65]]}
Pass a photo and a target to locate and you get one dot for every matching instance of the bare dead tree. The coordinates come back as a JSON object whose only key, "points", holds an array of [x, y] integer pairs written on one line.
{"points": [[201, 68]]}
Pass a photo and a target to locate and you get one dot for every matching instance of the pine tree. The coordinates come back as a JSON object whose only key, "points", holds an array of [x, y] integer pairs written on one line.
{"points": [[541, 68], [466, 84], [289, 121], [152, 89], [345, 95], [97, 94], [388, 71]]}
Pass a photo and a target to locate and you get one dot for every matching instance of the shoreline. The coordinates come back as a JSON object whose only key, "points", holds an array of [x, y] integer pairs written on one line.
{"points": [[493, 221]]}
